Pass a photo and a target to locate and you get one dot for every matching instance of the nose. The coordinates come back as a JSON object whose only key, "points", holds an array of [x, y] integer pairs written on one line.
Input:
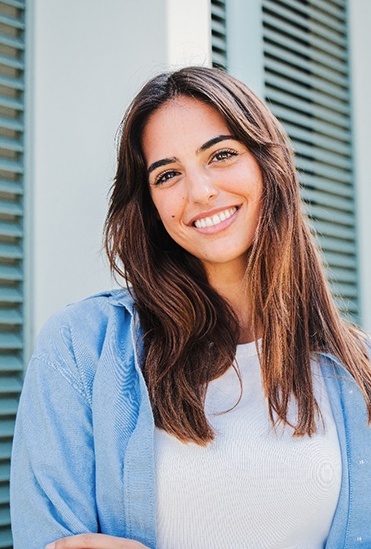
{"points": [[201, 188]]}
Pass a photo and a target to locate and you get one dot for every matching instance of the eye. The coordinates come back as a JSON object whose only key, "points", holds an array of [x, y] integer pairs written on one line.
{"points": [[224, 154], [165, 177]]}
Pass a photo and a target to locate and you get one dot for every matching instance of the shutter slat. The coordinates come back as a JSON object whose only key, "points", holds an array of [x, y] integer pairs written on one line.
{"points": [[10, 229], [11, 144], [326, 199], [14, 3], [4, 494], [11, 187], [5, 539], [219, 29], [218, 10], [11, 22], [218, 58], [8, 408], [11, 62], [218, 43], [14, 83], [10, 208], [305, 107], [335, 245], [300, 52], [10, 342], [7, 425], [300, 135], [310, 11], [10, 273], [347, 307], [331, 230], [336, 260], [4, 516], [315, 41], [12, 59], [8, 386], [11, 124], [11, 42], [10, 317], [218, 33], [339, 102], [321, 155], [315, 27], [282, 71], [309, 123], [9, 251], [339, 3], [336, 274], [282, 57], [11, 103], [10, 363], [327, 7], [345, 290], [326, 185], [4, 471], [333, 216], [322, 170]]}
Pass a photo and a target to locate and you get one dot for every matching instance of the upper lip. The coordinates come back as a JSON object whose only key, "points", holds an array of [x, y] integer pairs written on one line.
{"points": [[210, 213]]}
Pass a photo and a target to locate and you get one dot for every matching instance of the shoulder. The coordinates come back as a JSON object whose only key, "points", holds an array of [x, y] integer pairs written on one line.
{"points": [[88, 317], [73, 340], [99, 305]]}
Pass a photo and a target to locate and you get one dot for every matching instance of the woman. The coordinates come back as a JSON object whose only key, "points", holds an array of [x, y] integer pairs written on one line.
{"points": [[221, 401]]}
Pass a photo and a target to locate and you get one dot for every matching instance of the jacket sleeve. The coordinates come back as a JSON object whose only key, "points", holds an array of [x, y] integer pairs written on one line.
{"points": [[52, 468]]}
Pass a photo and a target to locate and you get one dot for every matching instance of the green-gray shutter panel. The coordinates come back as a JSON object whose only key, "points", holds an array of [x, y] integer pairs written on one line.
{"points": [[218, 33], [12, 55], [306, 83], [306, 70]]}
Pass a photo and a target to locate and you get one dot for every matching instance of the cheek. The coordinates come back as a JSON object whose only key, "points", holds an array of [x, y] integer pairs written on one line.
{"points": [[166, 214], [169, 205]]}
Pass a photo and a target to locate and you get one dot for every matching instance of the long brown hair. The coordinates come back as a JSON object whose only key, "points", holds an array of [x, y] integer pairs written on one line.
{"points": [[190, 332]]}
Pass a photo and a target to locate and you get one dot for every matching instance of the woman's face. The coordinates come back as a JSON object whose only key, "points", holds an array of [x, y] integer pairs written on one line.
{"points": [[204, 183]]}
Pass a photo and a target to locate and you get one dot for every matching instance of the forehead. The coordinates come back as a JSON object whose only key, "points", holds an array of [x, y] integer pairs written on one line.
{"points": [[181, 122]]}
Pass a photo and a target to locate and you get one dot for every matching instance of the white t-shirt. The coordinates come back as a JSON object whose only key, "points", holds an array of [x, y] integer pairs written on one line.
{"points": [[254, 486]]}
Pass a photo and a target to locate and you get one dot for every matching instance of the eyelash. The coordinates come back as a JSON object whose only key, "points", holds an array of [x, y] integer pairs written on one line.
{"points": [[162, 177], [226, 153]]}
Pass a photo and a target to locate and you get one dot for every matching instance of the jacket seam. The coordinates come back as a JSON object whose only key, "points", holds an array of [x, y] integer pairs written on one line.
{"points": [[70, 380]]}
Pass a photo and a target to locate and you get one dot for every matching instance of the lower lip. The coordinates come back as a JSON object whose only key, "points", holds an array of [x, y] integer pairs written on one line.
{"points": [[220, 226]]}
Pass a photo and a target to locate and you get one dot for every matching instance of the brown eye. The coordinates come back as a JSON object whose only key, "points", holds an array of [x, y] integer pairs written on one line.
{"points": [[225, 154], [165, 177]]}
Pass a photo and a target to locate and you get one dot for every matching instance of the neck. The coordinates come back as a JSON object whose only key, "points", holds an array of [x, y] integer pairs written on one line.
{"points": [[230, 283]]}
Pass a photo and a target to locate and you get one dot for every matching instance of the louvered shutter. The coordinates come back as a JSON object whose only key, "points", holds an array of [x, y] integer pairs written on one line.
{"points": [[11, 243], [307, 87], [218, 33]]}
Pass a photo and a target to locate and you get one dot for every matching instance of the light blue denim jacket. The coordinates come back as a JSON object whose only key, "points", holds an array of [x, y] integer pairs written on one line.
{"points": [[83, 458]]}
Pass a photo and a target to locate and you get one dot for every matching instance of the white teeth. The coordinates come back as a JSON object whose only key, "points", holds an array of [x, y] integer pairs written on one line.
{"points": [[215, 219]]}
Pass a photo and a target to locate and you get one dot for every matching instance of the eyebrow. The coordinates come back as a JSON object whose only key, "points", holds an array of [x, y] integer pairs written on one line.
{"points": [[213, 141], [202, 148], [160, 163]]}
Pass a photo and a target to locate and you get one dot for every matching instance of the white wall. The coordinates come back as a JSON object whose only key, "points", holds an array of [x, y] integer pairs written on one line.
{"points": [[360, 44], [87, 60]]}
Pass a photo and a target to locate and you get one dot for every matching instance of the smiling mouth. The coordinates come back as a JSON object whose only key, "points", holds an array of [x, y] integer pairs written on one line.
{"points": [[214, 219]]}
